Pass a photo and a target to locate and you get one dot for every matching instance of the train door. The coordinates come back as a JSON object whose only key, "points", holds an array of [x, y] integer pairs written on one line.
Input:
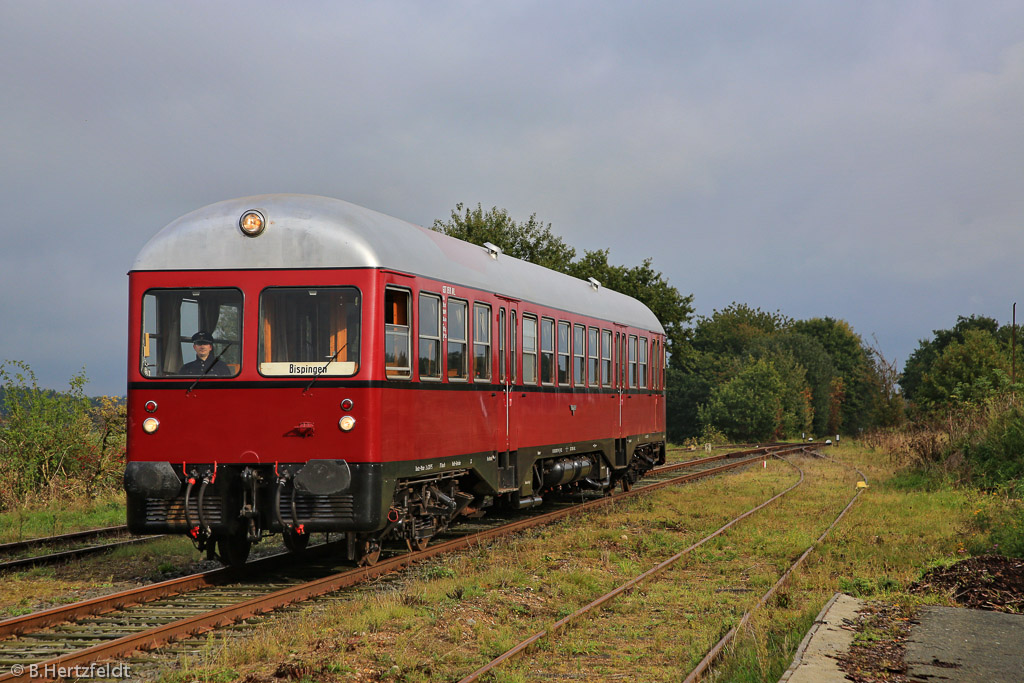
{"points": [[507, 373], [621, 392]]}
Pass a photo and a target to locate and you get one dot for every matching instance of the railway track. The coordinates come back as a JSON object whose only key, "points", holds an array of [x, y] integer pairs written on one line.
{"points": [[75, 536], [717, 649], [116, 625], [11, 550]]}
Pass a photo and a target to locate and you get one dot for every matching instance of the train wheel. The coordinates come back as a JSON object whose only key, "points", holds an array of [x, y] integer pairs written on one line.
{"points": [[369, 552], [418, 544], [233, 549], [294, 541]]}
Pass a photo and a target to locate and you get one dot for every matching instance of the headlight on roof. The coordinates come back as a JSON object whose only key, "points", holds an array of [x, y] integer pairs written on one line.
{"points": [[252, 223]]}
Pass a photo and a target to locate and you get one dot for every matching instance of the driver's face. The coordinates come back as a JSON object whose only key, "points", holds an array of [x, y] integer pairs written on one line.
{"points": [[203, 350]]}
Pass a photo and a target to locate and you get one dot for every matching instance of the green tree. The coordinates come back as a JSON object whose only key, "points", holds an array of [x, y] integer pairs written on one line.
{"points": [[689, 380], [797, 413], [971, 370], [809, 353], [533, 241], [862, 402], [928, 351], [530, 240], [645, 284], [836, 397], [733, 329], [719, 348], [748, 406]]}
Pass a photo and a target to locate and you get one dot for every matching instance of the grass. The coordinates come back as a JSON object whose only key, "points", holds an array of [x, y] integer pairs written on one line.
{"points": [[442, 620], [62, 517], [38, 588], [452, 615]]}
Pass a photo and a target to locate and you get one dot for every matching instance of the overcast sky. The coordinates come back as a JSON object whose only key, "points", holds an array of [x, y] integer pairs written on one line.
{"points": [[861, 160]]}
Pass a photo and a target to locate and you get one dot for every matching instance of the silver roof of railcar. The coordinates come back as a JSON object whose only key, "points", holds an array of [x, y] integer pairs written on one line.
{"points": [[306, 231]]}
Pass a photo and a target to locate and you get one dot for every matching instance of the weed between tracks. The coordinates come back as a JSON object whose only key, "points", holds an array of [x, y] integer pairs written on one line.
{"points": [[450, 616], [29, 590]]}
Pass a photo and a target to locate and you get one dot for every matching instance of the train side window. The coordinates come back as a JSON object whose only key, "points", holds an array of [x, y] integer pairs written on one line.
{"points": [[169, 319], [617, 361], [642, 360], [617, 356], [481, 342], [309, 331], [657, 363], [529, 350], [654, 363], [430, 337], [457, 340], [547, 351], [564, 353], [632, 361], [579, 355], [397, 340], [606, 357], [664, 361], [501, 344], [594, 355]]}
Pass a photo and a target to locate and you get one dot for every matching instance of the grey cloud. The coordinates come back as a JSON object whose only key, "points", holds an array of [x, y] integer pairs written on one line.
{"points": [[873, 149]]}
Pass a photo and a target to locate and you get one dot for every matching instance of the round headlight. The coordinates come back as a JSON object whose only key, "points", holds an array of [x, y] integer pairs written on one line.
{"points": [[347, 423], [252, 223], [150, 425]]}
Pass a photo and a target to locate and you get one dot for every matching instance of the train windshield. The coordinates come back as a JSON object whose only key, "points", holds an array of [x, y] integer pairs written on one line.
{"points": [[173, 319], [309, 332]]}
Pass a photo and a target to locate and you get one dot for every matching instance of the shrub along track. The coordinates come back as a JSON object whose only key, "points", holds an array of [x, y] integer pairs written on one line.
{"points": [[147, 618]]}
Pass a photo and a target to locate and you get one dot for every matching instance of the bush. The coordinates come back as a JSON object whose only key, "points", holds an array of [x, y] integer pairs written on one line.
{"points": [[994, 452], [54, 443], [749, 406], [998, 532], [920, 445]]}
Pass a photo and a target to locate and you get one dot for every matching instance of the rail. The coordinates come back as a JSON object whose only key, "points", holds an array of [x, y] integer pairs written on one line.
{"points": [[175, 629], [523, 645]]}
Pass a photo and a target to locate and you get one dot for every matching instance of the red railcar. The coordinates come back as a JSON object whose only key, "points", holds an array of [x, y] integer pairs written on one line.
{"points": [[369, 377]]}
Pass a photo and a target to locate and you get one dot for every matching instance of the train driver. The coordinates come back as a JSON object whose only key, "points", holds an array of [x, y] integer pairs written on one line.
{"points": [[202, 342]]}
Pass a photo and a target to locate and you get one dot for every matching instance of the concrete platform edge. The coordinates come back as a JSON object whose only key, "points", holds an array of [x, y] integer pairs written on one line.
{"points": [[812, 662]]}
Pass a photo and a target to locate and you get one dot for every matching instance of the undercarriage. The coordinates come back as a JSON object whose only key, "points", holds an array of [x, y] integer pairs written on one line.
{"points": [[227, 509]]}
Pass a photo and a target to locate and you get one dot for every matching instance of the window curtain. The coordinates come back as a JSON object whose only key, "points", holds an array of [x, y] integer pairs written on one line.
{"points": [[169, 321], [209, 312]]}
